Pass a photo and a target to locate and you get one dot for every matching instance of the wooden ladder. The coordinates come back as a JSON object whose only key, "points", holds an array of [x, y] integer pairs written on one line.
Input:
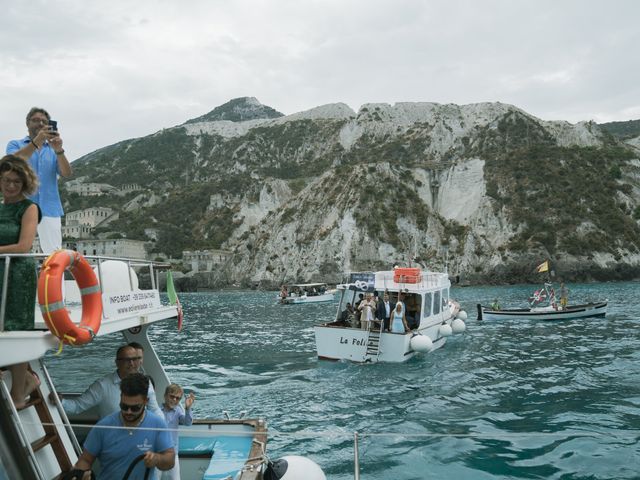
{"points": [[51, 436]]}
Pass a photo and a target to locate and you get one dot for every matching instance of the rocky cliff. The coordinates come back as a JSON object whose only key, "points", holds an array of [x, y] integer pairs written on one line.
{"points": [[486, 188]]}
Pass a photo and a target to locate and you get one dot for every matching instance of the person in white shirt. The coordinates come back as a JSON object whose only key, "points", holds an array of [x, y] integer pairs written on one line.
{"points": [[104, 393]]}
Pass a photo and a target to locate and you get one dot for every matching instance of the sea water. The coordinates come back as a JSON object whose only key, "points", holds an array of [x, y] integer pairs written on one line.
{"points": [[510, 399]]}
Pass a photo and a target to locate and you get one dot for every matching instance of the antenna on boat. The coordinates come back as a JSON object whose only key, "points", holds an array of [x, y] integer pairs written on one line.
{"points": [[446, 258]]}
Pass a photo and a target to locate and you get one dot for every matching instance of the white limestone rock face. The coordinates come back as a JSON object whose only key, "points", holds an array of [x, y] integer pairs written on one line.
{"points": [[462, 191], [316, 235], [583, 134]]}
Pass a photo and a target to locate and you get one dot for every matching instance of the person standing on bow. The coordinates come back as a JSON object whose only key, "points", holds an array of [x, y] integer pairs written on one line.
{"points": [[564, 296], [383, 311], [19, 219], [398, 320], [42, 147], [366, 307]]}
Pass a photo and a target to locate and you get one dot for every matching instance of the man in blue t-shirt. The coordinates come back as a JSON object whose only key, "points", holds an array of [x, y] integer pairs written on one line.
{"points": [[135, 431]]}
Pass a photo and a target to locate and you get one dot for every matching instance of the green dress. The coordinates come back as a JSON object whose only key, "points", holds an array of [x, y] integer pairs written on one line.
{"points": [[21, 292]]}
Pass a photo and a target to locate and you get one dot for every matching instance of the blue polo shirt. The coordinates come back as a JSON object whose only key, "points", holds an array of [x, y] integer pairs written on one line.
{"points": [[45, 163], [117, 448]]}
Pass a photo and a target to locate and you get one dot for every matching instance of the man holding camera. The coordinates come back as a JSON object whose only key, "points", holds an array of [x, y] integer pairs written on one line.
{"points": [[43, 149]]}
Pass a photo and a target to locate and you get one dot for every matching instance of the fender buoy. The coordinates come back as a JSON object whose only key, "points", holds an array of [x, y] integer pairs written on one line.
{"points": [[52, 304]]}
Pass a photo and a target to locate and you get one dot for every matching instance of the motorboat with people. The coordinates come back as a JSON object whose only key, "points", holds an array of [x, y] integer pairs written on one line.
{"points": [[422, 297], [305, 293], [38, 440], [543, 305]]}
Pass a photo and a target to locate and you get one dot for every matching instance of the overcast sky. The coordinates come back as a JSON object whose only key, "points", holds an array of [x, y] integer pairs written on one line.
{"points": [[109, 71]]}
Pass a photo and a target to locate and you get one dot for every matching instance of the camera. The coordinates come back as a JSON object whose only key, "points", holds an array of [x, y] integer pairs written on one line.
{"points": [[54, 125]]}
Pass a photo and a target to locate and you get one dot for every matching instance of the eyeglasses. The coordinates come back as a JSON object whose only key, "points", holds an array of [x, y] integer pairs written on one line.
{"points": [[8, 181], [129, 359], [175, 397], [131, 408], [39, 120]]}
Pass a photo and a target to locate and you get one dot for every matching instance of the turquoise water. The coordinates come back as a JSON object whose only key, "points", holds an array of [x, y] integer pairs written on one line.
{"points": [[519, 399]]}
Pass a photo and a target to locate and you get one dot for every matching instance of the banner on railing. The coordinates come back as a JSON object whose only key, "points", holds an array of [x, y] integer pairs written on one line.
{"points": [[118, 304]]}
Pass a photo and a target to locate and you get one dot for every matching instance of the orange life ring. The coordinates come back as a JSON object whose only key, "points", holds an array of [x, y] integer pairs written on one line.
{"points": [[52, 304]]}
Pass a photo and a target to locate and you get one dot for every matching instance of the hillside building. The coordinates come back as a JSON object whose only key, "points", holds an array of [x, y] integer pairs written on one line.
{"points": [[80, 223], [204, 260], [118, 247], [89, 189], [91, 217], [128, 188]]}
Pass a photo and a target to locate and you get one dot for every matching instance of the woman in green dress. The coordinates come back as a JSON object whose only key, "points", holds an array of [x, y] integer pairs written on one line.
{"points": [[19, 219]]}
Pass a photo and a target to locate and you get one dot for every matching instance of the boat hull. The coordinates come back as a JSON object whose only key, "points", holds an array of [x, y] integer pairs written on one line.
{"points": [[335, 342], [326, 297], [598, 309]]}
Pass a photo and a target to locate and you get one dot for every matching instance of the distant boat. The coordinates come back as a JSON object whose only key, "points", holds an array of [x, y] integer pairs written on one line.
{"points": [[587, 310], [550, 311], [431, 315], [306, 293]]}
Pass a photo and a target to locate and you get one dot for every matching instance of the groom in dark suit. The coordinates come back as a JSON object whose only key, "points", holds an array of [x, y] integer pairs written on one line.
{"points": [[383, 312]]}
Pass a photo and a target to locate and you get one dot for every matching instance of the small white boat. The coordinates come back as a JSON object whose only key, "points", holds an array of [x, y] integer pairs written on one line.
{"points": [[431, 315], [40, 441], [597, 309], [306, 293], [543, 306]]}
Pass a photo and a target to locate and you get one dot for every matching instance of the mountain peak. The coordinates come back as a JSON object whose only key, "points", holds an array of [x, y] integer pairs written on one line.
{"points": [[239, 110]]}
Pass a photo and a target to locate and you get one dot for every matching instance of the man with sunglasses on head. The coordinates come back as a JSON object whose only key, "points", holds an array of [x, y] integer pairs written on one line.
{"points": [[42, 148], [104, 393], [123, 436]]}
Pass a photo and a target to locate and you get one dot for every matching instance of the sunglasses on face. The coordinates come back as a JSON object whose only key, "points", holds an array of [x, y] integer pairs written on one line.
{"points": [[175, 397], [131, 408]]}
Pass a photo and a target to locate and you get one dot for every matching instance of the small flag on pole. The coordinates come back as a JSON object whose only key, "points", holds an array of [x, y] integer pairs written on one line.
{"points": [[173, 298], [543, 267]]}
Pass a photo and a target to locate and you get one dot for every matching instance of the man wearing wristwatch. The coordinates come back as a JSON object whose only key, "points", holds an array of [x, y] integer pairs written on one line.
{"points": [[43, 149]]}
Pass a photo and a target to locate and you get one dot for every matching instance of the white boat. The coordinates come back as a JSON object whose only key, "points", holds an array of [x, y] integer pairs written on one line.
{"points": [[543, 306], [431, 315], [597, 309], [306, 293], [41, 442]]}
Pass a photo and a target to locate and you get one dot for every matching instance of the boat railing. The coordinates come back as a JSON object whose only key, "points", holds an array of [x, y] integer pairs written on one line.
{"points": [[154, 269]]}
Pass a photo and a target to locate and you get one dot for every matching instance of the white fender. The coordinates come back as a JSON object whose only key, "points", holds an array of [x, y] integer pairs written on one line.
{"points": [[458, 326], [462, 315], [445, 330], [294, 467], [421, 343]]}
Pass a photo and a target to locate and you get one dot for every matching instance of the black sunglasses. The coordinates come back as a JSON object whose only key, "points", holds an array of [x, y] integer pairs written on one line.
{"points": [[132, 408]]}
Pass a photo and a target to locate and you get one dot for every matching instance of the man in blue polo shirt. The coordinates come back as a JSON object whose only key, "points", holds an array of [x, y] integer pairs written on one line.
{"points": [[134, 431], [43, 149]]}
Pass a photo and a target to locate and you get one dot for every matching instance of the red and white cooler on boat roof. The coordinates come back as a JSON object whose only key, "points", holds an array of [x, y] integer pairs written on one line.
{"points": [[407, 275]]}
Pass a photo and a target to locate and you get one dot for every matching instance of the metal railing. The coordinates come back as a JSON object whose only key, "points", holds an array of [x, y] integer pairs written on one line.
{"points": [[154, 269]]}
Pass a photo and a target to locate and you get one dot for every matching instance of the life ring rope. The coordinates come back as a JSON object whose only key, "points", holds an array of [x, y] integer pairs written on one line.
{"points": [[52, 304]]}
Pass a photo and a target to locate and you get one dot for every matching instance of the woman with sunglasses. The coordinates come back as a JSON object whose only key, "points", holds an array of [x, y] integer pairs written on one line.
{"points": [[19, 219]]}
